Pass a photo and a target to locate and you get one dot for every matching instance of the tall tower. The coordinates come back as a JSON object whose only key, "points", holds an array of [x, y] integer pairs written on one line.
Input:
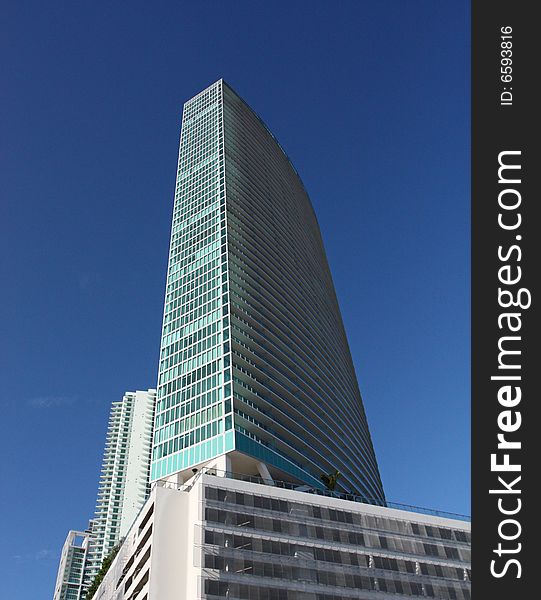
{"points": [[255, 372], [70, 581], [124, 480]]}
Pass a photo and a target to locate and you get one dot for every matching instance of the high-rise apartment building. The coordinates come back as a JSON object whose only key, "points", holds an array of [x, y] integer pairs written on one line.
{"points": [[70, 580], [123, 488], [255, 371], [124, 480]]}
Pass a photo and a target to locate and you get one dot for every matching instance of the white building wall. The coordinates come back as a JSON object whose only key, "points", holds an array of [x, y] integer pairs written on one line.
{"points": [[169, 562], [136, 484], [172, 543]]}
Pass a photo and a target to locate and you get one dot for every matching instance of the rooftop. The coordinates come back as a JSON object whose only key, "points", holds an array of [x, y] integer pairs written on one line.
{"points": [[315, 491]]}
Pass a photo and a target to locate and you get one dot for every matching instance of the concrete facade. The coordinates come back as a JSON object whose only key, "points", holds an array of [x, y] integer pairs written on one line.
{"points": [[216, 537]]}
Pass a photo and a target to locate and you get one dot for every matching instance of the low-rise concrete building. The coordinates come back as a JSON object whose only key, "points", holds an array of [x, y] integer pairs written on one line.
{"points": [[220, 537]]}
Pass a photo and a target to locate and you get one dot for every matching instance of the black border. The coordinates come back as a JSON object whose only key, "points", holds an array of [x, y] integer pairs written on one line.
{"points": [[497, 128]]}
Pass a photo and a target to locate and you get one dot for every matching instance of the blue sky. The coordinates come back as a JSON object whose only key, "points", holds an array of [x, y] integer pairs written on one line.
{"points": [[370, 101]]}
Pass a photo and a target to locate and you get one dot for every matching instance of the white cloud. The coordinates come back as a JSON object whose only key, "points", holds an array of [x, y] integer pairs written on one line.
{"points": [[50, 401]]}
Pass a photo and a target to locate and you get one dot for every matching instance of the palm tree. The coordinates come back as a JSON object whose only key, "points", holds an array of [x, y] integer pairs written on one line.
{"points": [[102, 572], [330, 480]]}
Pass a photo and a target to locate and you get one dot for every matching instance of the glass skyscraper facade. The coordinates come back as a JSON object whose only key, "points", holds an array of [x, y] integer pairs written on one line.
{"points": [[194, 402], [254, 357]]}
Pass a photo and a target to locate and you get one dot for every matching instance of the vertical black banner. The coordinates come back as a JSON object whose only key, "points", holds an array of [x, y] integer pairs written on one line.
{"points": [[506, 245]]}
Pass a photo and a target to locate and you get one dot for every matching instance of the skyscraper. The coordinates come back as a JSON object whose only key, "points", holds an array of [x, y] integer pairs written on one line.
{"points": [[124, 480], [122, 490], [255, 372], [70, 581]]}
